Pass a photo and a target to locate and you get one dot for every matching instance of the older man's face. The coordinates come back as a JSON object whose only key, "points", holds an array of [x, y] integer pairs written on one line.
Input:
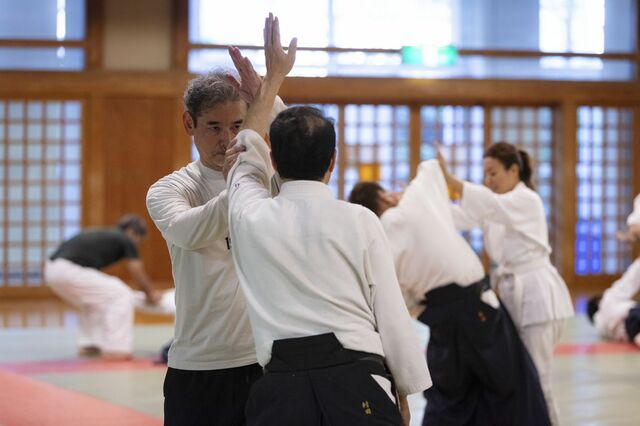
{"points": [[214, 129]]}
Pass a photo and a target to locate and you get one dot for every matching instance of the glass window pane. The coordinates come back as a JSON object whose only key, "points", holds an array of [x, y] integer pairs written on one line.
{"points": [[406, 22], [34, 111], [34, 153], [36, 200], [16, 110], [309, 23], [72, 110], [34, 233], [42, 19], [41, 58], [426, 26], [34, 132], [604, 188]]}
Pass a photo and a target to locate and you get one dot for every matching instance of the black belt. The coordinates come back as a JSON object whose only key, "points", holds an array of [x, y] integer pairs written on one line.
{"points": [[451, 294], [320, 351]]}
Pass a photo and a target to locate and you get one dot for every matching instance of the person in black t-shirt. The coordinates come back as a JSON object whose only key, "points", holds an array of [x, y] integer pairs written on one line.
{"points": [[105, 302]]}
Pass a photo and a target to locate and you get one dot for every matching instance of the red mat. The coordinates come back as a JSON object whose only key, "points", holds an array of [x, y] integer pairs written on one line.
{"points": [[26, 402], [80, 365], [595, 348]]}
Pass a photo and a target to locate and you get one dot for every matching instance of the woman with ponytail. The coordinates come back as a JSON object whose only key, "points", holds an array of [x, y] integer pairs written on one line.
{"points": [[511, 216]]}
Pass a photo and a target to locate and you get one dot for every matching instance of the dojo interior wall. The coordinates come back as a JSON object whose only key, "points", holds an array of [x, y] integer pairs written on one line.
{"points": [[132, 134]]}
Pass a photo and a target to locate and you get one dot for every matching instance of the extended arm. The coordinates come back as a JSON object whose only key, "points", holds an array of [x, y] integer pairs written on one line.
{"points": [[396, 329], [139, 275], [188, 227], [249, 178]]}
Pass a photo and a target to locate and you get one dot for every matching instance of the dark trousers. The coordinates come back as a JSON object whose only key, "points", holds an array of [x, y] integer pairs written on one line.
{"points": [[314, 381], [632, 322], [209, 397], [482, 373]]}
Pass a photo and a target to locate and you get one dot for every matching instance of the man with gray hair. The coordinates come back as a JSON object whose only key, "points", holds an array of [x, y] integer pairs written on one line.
{"points": [[212, 360]]}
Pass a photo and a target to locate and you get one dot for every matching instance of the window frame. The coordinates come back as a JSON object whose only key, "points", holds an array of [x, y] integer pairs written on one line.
{"points": [[183, 46], [91, 44]]}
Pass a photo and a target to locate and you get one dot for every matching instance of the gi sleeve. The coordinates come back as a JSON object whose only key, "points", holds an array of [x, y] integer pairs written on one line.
{"points": [[462, 220], [634, 217], [513, 209], [249, 179], [190, 228], [399, 234], [395, 327], [628, 285]]}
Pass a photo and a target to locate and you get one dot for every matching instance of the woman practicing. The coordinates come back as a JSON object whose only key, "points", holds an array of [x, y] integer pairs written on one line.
{"points": [[512, 219]]}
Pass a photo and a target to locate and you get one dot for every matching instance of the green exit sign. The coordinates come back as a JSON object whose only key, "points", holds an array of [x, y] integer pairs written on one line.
{"points": [[431, 56]]}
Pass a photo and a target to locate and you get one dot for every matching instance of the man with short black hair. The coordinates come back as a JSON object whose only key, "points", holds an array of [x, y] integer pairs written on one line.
{"points": [[106, 303], [329, 323]]}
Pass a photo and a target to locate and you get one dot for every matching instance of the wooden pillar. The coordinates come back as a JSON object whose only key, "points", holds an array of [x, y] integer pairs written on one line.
{"points": [[415, 140], [94, 34], [565, 186], [342, 151], [180, 36]]}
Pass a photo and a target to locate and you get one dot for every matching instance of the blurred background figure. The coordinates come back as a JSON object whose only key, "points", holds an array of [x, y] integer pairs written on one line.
{"points": [[105, 303]]}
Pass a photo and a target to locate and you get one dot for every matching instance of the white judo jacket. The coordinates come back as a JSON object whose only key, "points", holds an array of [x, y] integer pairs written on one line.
{"points": [[618, 299], [309, 264], [634, 217], [428, 250], [615, 304], [516, 239]]}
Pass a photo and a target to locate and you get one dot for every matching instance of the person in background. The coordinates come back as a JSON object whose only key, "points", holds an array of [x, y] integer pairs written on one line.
{"points": [[616, 314], [511, 215], [330, 326], [105, 302], [482, 373]]}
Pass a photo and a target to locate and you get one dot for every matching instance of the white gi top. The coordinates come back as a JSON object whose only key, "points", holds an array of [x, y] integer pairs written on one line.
{"points": [[427, 249], [516, 239], [310, 264], [634, 217], [615, 304]]}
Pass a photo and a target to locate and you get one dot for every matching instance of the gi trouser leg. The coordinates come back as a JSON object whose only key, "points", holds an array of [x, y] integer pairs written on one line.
{"points": [[540, 339], [481, 372]]}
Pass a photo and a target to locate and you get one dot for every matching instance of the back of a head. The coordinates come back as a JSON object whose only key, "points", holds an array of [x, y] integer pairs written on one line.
{"points": [[208, 90], [303, 142], [509, 155], [366, 194], [133, 222], [592, 306]]}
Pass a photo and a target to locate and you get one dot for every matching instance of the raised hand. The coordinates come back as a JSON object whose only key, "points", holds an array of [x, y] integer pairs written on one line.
{"points": [[231, 156], [279, 63], [250, 81], [441, 160], [453, 182]]}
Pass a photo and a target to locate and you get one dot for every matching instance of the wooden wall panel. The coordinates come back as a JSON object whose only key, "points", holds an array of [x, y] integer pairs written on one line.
{"points": [[138, 146], [132, 134]]}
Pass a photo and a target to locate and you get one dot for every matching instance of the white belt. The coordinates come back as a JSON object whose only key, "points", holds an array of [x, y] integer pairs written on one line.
{"points": [[519, 268], [512, 269]]}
